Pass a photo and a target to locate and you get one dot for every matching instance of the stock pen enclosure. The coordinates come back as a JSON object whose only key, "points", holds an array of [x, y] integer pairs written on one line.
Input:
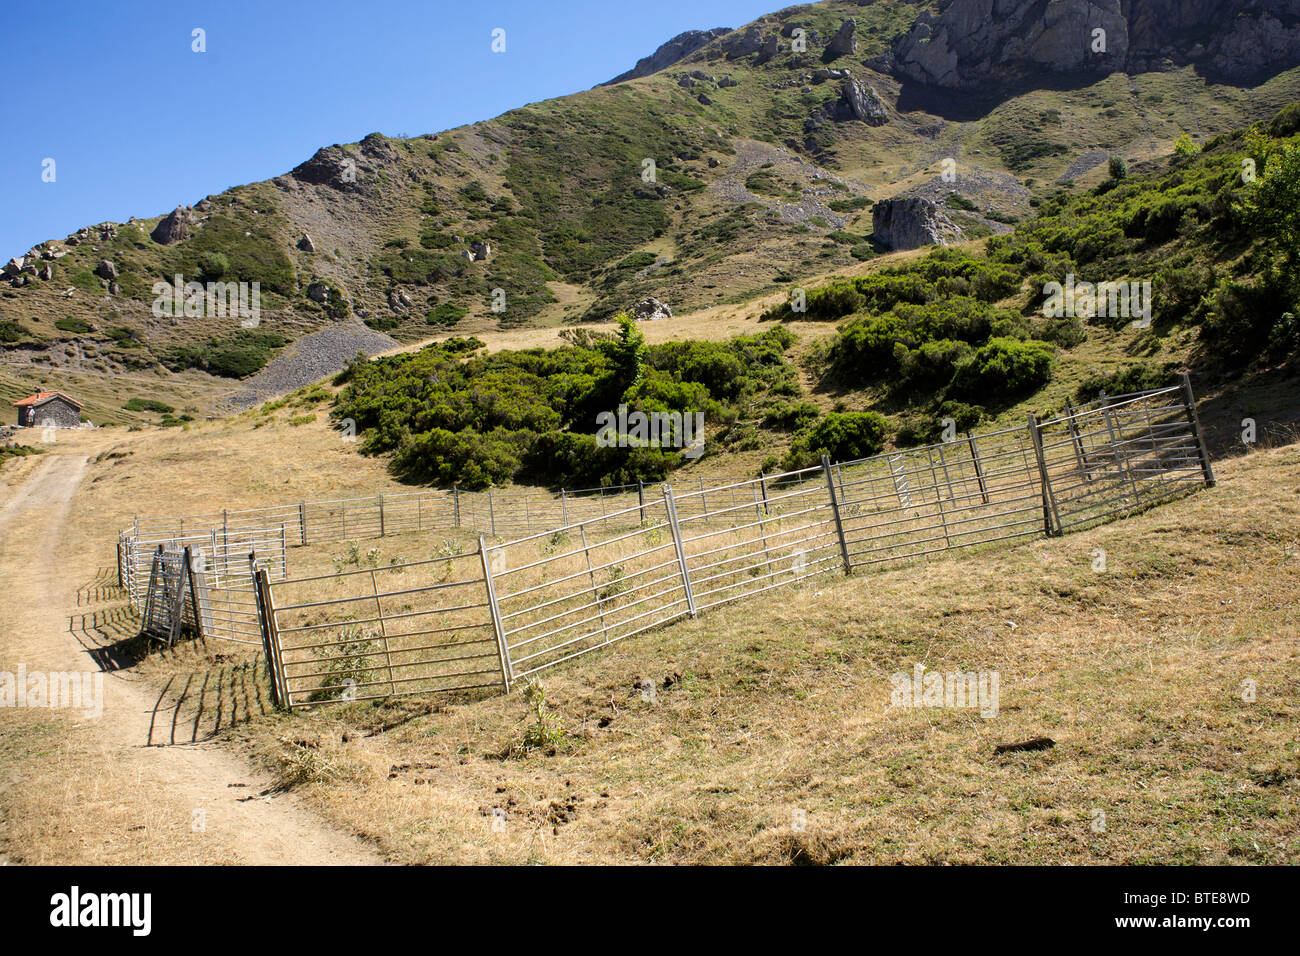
{"points": [[521, 580]]}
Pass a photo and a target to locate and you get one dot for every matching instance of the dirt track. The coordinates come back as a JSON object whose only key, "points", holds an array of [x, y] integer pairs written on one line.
{"points": [[125, 779]]}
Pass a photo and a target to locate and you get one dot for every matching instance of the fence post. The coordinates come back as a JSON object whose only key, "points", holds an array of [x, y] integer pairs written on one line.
{"points": [[1194, 420], [498, 627], [979, 470], [266, 621], [762, 486], [671, 507], [640, 498], [381, 516], [1078, 441], [564, 507], [1051, 520], [835, 510], [302, 521], [455, 493], [704, 502], [492, 514]]}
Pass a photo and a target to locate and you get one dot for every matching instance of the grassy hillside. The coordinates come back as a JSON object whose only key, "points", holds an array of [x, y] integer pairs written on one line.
{"points": [[956, 334], [756, 183]]}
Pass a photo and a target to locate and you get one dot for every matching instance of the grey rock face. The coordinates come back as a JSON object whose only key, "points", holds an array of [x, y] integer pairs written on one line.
{"points": [[331, 166], [680, 46], [398, 300], [173, 227], [974, 42], [911, 223], [740, 44], [845, 41], [863, 103], [481, 250]]}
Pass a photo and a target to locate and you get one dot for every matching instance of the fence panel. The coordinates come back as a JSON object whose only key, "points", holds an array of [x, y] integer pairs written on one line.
{"points": [[586, 585], [1115, 456], [419, 628], [614, 562]]}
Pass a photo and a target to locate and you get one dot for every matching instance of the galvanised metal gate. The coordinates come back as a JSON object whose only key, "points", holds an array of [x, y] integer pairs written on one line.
{"points": [[487, 619]]}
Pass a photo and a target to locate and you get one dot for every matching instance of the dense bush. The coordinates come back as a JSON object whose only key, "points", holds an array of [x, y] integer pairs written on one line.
{"points": [[1003, 370], [235, 356], [71, 324], [841, 436], [448, 416]]}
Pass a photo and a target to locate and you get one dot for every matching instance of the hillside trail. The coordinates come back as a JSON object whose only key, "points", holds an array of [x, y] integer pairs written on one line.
{"points": [[244, 819]]}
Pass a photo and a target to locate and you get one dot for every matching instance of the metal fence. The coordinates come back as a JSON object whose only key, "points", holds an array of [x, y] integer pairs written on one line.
{"points": [[507, 611]]}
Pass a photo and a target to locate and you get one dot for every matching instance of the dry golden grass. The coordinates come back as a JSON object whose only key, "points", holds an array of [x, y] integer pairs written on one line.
{"points": [[762, 710]]}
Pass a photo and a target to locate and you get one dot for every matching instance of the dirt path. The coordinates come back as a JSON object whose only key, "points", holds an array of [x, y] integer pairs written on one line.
{"points": [[231, 809]]}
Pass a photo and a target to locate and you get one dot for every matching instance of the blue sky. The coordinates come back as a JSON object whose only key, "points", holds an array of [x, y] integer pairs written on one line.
{"points": [[136, 122]]}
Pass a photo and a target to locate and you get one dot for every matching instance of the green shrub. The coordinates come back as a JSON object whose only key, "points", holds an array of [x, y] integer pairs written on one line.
{"points": [[1004, 369], [446, 314], [147, 405], [214, 265], [841, 436], [71, 324]]}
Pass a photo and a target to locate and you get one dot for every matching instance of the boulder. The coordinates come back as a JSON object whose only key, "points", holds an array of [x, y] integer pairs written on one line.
{"points": [[686, 82], [481, 250], [863, 103], [398, 300], [704, 100], [651, 308], [911, 223], [47, 273], [845, 41], [106, 270], [174, 227], [305, 243], [318, 292], [15, 266], [727, 81]]}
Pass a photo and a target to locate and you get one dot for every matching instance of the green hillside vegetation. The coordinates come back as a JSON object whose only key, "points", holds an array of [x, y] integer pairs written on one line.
{"points": [[448, 415], [961, 331]]}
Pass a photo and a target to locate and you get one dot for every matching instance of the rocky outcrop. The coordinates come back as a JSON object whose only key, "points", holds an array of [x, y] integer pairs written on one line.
{"points": [[106, 270], [305, 243], [399, 301], [679, 47], [174, 227], [863, 103], [845, 41], [741, 43], [481, 250], [911, 223], [331, 166], [651, 308], [976, 42]]}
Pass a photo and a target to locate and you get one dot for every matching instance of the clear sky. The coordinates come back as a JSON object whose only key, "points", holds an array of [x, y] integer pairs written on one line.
{"points": [[137, 122]]}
